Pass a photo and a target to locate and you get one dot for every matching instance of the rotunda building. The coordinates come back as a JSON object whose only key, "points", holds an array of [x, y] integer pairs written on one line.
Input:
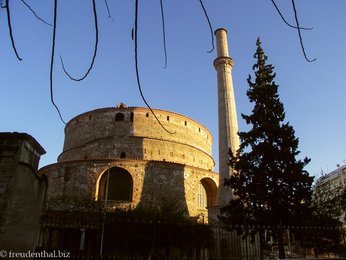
{"points": [[125, 156]]}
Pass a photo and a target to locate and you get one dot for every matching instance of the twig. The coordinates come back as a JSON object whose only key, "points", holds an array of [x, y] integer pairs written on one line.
{"points": [[10, 29], [163, 33], [109, 13], [137, 70], [52, 63], [210, 27], [299, 33], [27, 5], [95, 49], [284, 20]]}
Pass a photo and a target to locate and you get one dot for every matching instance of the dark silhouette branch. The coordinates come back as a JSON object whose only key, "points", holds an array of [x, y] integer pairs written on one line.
{"points": [[299, 33], [163, 33], [7, 7], [52, 62], [210, 27], [134, 35], [95, 49], [284, 20], [28, 6]]}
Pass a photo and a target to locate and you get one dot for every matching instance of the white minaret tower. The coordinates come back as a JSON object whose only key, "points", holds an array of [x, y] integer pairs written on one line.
{"points": [[228, 124]]}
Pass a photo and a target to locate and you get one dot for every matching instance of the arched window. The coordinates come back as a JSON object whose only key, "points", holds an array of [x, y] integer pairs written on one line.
{"points": [[119, 117], [122, 155], [120, 185], [202, 196], [206, 193]]}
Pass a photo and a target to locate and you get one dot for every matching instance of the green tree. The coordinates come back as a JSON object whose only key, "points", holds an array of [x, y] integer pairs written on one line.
{"points": [[270, 185]]}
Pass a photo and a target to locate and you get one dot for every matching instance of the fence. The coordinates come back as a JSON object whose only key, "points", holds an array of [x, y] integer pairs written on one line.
{"points": [[96, 237], [308, 242]]}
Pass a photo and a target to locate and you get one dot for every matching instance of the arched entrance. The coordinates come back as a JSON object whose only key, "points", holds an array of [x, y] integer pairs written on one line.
{"points": [[119, 186]]}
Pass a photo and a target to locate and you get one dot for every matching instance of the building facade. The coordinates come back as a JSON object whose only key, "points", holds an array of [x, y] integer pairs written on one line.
{"points": [[331, 185], [123, 155]]}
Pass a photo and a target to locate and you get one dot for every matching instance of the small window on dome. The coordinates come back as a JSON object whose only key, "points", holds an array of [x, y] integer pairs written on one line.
{"points": [[119, 117]]}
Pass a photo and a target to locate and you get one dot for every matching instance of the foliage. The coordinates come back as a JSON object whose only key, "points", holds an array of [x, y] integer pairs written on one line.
{"points": [[270, 185], [328, 200], [323, 233], [328, 212], [74, 204], [161, 229], [157, 230]]}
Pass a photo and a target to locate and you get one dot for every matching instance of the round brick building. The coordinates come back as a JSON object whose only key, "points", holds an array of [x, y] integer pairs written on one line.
{"points": [[142, 162]]}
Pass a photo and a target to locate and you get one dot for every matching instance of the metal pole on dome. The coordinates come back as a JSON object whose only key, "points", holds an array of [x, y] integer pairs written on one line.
{"points": [[104, 213]]}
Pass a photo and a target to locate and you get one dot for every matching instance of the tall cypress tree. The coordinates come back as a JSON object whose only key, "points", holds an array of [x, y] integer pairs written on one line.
{"points": [[270, 185]]}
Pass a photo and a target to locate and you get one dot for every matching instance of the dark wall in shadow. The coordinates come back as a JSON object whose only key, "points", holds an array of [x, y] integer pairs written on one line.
{"points": [[163, 186]]}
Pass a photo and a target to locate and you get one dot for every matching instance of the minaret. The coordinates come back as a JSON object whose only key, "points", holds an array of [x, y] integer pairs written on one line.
{"points": [[228, 124]]}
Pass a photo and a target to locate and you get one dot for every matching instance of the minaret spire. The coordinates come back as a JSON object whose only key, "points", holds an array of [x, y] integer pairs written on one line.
{"points": [[228, 124]]}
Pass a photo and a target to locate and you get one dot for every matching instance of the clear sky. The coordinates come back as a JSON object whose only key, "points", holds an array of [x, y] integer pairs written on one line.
{"points": [[313, 93]]}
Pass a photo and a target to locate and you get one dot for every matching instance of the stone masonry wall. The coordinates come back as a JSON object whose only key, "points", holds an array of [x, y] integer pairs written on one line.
{"points": [[21, 191], [98, 134], [153, 181]]}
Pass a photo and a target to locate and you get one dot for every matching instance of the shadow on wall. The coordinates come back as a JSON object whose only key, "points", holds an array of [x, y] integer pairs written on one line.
{"points": [[163, 186]]}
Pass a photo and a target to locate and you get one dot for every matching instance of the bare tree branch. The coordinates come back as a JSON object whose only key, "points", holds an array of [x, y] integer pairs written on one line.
{"points": [[163, 32], [27, 5], [135, 36], [283, 18], [95, 49], [210, 27], [299, 33], [52, 62], [7, 7]]}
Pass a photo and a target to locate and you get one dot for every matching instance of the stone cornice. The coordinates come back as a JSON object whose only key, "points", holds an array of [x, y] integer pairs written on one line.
{"points": [[138, 109], [224, 61], [111, 162]]}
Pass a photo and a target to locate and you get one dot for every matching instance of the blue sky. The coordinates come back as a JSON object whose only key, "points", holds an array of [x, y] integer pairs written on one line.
{"points": [[313, 93]]}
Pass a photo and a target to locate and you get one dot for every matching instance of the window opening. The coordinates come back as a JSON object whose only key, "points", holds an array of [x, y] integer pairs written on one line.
{"points": [[120, 185], [119, 117]]}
